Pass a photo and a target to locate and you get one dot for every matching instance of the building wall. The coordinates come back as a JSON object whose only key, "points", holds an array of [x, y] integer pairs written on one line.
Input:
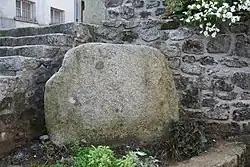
{"points": [[67, 5], [8, 10]]}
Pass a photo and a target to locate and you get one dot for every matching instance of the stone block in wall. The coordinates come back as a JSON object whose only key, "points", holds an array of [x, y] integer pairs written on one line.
{"points": [[128, 35], [145, 14], [193, 46], [152, 4], [207, 60], [241, 105], [113, 3], [131, 24], [236, 63], [239, 28], [108, 33], [193, 69], [174, 62], [149, 23], [112, 23], [219, 44], [138, 3], [226, 95], [221, 112], [191, 98], [160, 11], [151, 34], [164, 35], [127, 12], [188, 59], [170, 25], [242, 80], [209, 102], [242, 48], [245, 96], [170, 49], [223, 85], [180, 34], [181, 82], [113, 13], [241, 114]]}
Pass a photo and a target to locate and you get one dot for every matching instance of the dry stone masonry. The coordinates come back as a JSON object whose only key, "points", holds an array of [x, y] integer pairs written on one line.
{"points": [[211, 74], [28, 58], [134, 9]]}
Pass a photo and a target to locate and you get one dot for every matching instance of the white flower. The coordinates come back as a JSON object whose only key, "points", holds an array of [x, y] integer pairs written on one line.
{"points": [[188, 20], [210, 29], [201, 26], [206, 6], [208, 24], [233, 20], [225, 5], [197, 16], [213, 34], [233, 9], [218, 15], [229, 14], [237, 18], [198, 6], [205, 33]]}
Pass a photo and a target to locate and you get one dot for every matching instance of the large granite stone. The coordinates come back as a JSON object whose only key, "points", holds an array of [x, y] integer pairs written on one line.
{"points": [[105, 92]]}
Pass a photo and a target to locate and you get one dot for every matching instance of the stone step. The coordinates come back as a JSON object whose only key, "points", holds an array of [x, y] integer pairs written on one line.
{"points": [[10, 65], [69, 28], [38, 51], [224, 155], [48, 39], [17, 65]]}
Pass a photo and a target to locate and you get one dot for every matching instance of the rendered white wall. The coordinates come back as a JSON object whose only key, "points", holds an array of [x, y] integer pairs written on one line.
{"points": [[25, 24], [8, 10]]}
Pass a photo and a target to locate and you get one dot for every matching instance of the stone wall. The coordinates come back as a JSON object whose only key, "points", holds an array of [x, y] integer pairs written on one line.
{"points": [[134, 9], [211, 74]]}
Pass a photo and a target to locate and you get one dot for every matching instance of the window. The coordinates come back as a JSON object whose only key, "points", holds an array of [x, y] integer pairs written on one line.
{"points": [[25, 10], [57, 16]]}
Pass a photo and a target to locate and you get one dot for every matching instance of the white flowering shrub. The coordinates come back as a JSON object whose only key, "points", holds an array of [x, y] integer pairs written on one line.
{"points": [[210, 14]]}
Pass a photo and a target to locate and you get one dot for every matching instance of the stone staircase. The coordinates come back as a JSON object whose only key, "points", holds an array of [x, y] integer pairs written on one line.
{"points": [[28, 58], [228, 154]]}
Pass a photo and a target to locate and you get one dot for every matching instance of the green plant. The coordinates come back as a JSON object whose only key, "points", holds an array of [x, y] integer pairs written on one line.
{"points": [[101, 156], [186, 139], [55, 165], [141, 159]]}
